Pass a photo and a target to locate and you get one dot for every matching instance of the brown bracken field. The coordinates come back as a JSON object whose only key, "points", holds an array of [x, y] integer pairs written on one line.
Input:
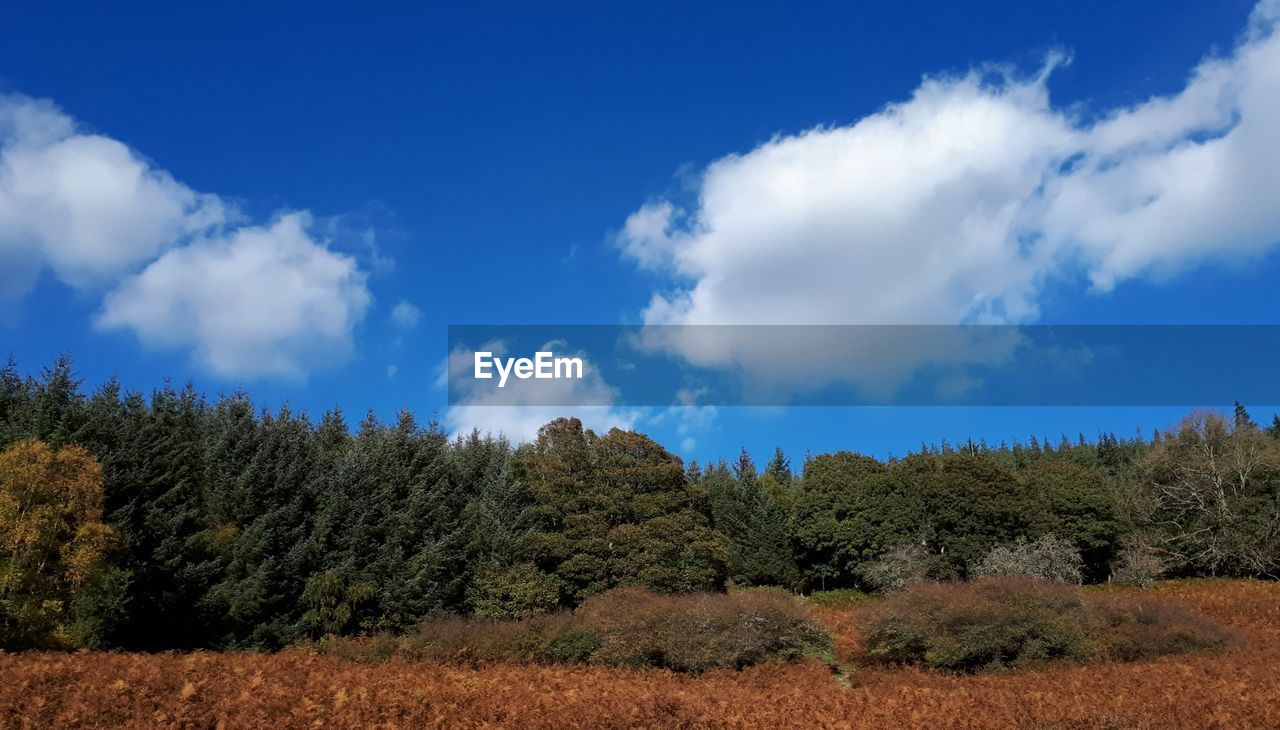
{"points": [[1238, 687]]}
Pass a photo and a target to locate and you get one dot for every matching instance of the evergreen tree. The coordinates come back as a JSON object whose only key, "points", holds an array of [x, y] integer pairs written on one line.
{"points": [[744, 469], [17, 404], [271, 557], [58, 404], [779, 467], [1242, 419]]}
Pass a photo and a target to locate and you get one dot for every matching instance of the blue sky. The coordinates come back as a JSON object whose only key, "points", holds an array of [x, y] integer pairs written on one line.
{"points": [[494, 163]]}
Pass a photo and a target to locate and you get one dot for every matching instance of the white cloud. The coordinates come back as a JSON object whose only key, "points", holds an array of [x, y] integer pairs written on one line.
{"points": [[85, 205], [688, 418], [180, 268], [1179, 180], [405, 315], [905, 217], [267, 300], [956, 205]]}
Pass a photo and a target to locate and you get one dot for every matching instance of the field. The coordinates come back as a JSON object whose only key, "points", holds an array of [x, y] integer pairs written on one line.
{"points": [[1234, 688]]}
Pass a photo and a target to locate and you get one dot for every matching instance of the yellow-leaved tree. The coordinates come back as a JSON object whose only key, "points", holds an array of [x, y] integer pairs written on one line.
{"points": [[52, 542]]}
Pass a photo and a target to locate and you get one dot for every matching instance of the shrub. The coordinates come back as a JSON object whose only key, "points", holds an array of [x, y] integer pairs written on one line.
{"points": [[989, 622], [574, 646], [699, 631], [1048, 558], [1138, 564], [903, 565], [1012, 621], [514, 592], [839, 597], [623, 627], [332, 602], [1131, 629], [537, 638]]}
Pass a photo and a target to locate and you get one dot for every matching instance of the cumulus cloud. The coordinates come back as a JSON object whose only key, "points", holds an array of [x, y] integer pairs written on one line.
{"points": [[1179, 180], [85, 205], [959, 203], [904, 217], [260, 300], [181, 269], [405, 315], [520, 408]]}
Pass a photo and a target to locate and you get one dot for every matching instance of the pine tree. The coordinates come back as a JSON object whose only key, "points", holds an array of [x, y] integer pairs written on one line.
{"points": [[158, 504], [428, 529], [779, 467], [744, 470], [58, 404], [271, 555], [17, 404], [498, 519], [1242, 419]]}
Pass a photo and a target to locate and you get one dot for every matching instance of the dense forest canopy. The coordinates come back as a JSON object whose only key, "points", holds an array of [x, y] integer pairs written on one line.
{"points": [[168, 521]]}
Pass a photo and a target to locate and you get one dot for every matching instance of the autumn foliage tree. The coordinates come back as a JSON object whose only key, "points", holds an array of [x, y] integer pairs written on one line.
{"points": [[52, 542]]}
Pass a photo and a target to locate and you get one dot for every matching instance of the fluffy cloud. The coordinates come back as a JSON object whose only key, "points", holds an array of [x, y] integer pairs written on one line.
{"points": [[260, 300], [82, 204], [956, 205], [405, 315], [1177, 180], [907, 216], [180, 268]]}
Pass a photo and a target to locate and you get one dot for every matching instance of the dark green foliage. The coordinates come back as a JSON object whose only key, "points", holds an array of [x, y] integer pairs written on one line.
{"points": [[839, 597], [850, 510], [757, 523], [1080, 505], [331, 602], [779, 468], [971, 505], [617, 510], [515, 592], [247, 528]]}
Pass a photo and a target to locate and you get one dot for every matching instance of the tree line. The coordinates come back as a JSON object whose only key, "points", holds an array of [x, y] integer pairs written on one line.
{"points": [[172, 521]]}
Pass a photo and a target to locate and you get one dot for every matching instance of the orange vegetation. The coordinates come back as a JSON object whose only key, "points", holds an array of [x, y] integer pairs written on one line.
{"points": [[1235, 688]]}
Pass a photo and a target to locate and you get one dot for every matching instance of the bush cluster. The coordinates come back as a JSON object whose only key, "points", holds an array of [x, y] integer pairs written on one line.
{"points": [[630, 627], [700, 631], [1139, 563], [1048, 558], [1012, 621], [839, 597], [902, 565]]}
